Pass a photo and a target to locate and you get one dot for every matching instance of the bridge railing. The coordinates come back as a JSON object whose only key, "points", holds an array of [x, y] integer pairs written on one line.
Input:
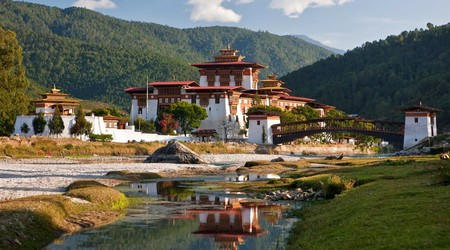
{"points": [[339, 124]]}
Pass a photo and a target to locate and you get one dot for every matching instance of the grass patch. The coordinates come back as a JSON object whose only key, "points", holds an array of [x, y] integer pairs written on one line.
{"points": [[401, 207], [34, 222]]}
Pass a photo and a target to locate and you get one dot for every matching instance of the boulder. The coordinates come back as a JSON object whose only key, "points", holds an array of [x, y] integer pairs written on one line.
{"points": [[175, 152], [279, 159]]}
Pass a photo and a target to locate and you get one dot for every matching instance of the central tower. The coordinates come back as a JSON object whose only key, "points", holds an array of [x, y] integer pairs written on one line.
{"points": [[228, 69]]}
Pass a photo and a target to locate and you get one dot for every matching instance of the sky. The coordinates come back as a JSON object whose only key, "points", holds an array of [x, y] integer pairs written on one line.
{"points": [[342, 24]]}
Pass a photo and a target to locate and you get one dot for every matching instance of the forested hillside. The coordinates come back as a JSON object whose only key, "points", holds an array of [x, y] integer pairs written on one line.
{"points": [[378, 78], [93, 56]]}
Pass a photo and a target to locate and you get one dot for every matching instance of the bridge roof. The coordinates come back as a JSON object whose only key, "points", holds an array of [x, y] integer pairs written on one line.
{"points": [[420, 108]]}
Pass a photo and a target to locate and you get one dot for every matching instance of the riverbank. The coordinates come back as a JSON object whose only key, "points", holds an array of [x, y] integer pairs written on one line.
{"points": [[44, 176], [396, 204]]}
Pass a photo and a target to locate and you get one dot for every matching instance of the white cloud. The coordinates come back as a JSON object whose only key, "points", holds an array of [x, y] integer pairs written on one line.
{"points": [[213, 11], [244, 1], [293, 8], [95, 4]]}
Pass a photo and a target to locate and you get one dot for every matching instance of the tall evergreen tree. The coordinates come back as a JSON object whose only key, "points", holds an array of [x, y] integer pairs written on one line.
{"points": [[56, 124], [81, 126], [39, 123], [13, 82]]}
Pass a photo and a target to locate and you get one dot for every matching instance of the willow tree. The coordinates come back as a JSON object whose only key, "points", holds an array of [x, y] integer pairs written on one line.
{"points": [[13, 82]]}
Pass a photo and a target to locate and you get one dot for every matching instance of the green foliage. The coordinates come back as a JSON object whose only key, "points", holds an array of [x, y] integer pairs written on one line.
{"points": [[24, 128], [56, 124], [374, 80], [189, 116], [269, 109], [335, 185], [81, 126], [107, 111], [94, 56], [263, 135], [13, 82], [39, 123], [444, 174], [102, 137], [306, 111], [145, 126]]}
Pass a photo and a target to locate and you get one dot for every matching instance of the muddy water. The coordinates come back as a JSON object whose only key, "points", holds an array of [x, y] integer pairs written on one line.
{"points": [[185, 214]]}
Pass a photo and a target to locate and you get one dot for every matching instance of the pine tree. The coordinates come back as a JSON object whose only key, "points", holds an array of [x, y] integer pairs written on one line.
{"points": [[56, 124], [13, 82], [24, 128], [39, 123], [81, 126]]}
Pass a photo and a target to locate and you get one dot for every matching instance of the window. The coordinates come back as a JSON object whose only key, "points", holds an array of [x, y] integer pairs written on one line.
{"points": [[258, 123], [217, 99], [193, 99], [140, 111], [416, 120]]}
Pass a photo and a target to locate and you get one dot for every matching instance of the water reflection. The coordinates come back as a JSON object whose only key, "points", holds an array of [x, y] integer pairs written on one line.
{"points": [[186, 218]]}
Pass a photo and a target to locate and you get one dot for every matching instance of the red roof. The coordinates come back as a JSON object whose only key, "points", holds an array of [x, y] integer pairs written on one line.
{"points": [[296, 98], [110, 118], [221, 64], [173, 83], [212, 88]]}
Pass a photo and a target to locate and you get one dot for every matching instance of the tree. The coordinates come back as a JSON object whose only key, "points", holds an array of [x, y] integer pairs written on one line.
{"points": [[81, 126], [308, 112], [189, 116], [39, 123], [13, 82], [24, 128], [56, 124], [145, 126], [168, 124]]}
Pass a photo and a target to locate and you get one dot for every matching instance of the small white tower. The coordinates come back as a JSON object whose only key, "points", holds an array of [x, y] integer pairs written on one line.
{"points": [[420, 123], [259, 128]]}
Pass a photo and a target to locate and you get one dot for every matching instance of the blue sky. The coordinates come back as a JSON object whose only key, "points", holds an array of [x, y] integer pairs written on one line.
{"points": [[342, 24]]}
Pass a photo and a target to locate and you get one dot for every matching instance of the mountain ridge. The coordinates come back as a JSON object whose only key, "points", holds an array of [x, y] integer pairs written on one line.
{"points": [[93, 56]]}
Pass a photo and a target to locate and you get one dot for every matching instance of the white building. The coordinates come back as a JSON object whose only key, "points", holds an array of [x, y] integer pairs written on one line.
{"points": [[420, 123], [227, 88]]}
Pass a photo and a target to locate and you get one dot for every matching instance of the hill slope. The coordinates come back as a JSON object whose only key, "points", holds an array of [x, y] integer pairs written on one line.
{"points": [[315, 42], [93, 56], [374, 80]]}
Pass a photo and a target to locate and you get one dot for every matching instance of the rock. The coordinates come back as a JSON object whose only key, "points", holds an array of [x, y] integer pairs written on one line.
{"points": [[175, 152], [279, 159], [335, 157]]}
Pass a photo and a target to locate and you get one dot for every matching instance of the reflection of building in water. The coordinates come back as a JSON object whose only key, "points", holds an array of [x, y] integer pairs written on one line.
{"points": [[227, 218], [172, 191], [230, 226]]}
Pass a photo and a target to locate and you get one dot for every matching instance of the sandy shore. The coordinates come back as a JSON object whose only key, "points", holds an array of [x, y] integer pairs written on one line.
{"points": [[27, 177]]}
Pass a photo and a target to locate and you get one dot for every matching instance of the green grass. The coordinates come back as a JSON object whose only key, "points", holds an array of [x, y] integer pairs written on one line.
{"points": [[396, 206], [34, 222]]}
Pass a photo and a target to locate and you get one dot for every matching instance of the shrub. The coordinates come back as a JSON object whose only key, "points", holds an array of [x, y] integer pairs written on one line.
{"points": [[444, 175], [101, 138], [336, 185], [68, 146], [281, 181], [306, 184]]}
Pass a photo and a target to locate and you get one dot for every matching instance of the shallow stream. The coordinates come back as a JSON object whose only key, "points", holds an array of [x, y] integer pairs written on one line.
{"points": [[183, 213]]}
